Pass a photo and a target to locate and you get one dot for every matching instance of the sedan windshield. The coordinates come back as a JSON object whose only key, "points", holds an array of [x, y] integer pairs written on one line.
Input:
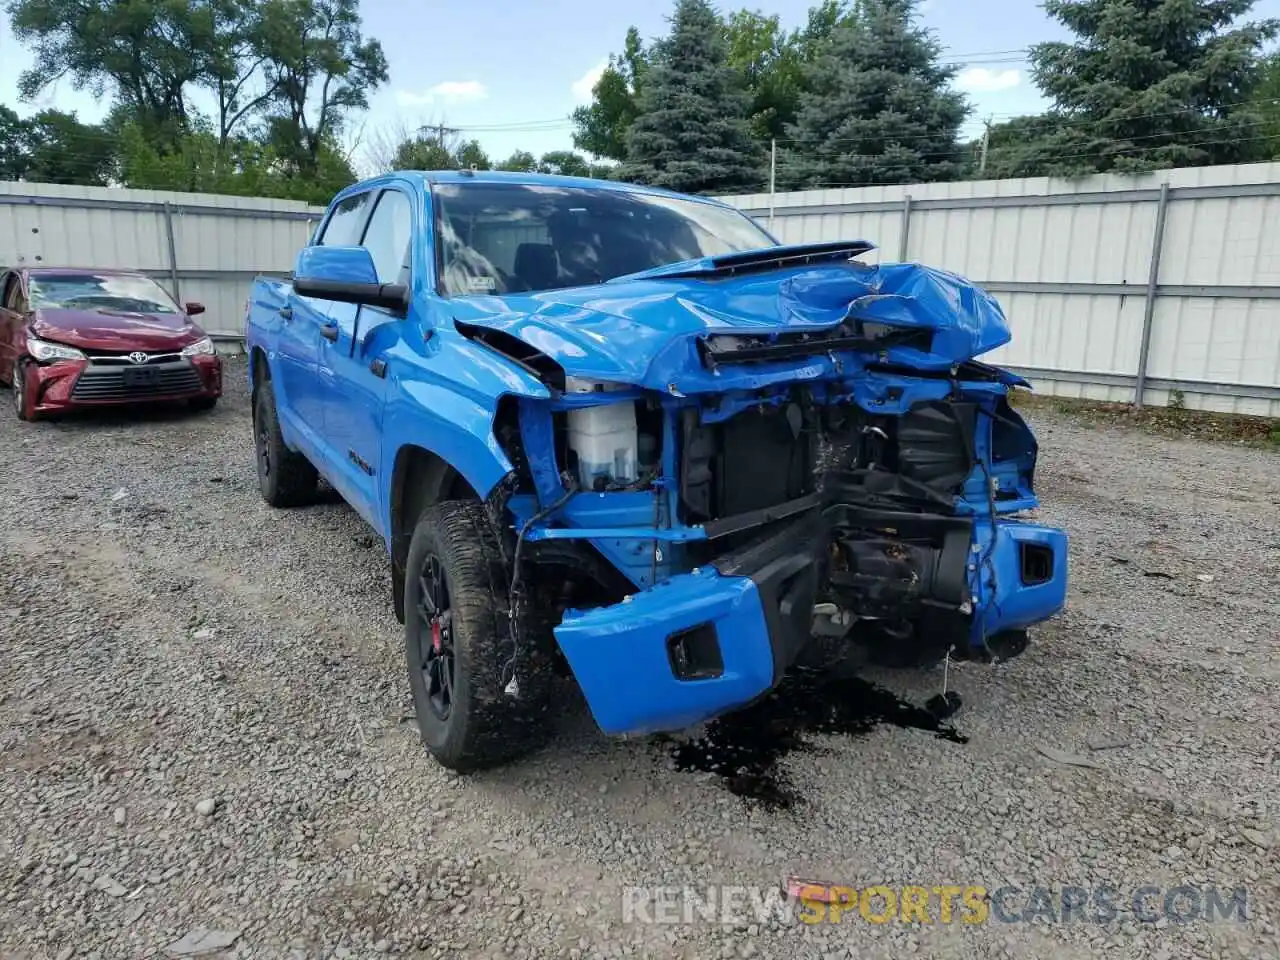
{"points": [[509, 237], [88, 291]]}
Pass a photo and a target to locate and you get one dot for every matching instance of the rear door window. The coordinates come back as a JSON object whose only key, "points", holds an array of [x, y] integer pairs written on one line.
{"points": [[387, 237], [346, 222]]}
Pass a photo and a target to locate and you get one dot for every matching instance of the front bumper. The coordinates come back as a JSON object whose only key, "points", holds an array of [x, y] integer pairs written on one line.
{"points": [[70, 385], [706, 642]]}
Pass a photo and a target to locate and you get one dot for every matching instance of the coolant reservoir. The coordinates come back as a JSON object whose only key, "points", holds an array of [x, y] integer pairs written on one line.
{"points": [[604, 439]]}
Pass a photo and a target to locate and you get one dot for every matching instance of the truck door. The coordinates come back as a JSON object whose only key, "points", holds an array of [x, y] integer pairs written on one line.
{"points": [[302, 332], [354, 364]]}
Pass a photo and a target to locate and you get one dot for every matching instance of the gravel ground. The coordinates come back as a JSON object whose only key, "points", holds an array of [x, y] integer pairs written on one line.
{"points": [[205, 726]]}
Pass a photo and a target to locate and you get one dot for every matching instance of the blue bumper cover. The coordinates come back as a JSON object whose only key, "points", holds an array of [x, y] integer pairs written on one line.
{"points": [[622, 659], [1004, 600]]}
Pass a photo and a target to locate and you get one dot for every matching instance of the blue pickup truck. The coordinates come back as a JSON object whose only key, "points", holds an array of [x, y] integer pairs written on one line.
{"points": [[622, 435]]}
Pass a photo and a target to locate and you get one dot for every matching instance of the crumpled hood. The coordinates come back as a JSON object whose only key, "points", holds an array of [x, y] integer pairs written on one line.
{"points": [[103, 329], [643, 329]]}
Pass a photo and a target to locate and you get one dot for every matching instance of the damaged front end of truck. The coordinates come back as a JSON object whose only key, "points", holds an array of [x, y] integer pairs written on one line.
{"points": [[755, 460]]}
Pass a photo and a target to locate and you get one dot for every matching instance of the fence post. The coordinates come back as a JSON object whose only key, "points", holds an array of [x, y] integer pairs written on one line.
{"points": [[905, 232], [773, 178], [1149, 306], [173, 251]]}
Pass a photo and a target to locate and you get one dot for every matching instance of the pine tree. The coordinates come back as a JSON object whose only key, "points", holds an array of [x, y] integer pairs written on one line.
{"points": [[1151, 84], [692, 132], [879, 107]]}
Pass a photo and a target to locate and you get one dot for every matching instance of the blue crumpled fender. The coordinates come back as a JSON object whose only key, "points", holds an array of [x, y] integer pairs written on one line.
{"points": [[445, 402], [642, 329], [968, 320]]}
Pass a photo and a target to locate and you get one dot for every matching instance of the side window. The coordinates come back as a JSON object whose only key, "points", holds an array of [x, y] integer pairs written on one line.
{"points": [[343, 228], [387, 237]]}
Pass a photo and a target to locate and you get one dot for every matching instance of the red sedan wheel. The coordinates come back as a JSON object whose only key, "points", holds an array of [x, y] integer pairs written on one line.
{"points": [[22, 403]]}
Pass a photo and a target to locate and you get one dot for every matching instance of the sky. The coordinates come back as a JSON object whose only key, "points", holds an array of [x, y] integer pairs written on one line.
{"points": [[508, 74]]}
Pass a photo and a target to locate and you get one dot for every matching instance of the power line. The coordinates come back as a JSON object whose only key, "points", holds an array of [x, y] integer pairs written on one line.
{"points": [[1098, 144], [551, 125]]}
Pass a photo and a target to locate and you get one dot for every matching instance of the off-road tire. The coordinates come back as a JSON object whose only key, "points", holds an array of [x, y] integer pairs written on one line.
{"points": [[485, 726], [199, 404], [285, 478]]}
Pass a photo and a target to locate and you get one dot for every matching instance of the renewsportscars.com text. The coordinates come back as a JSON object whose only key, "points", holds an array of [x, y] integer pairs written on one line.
{"points": [[820, 903]]}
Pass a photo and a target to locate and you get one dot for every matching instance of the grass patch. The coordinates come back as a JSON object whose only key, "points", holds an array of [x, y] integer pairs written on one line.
{"points": [[1174, 420]]}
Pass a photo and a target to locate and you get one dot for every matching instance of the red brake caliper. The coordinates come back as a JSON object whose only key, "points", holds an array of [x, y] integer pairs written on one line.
{"points": [[435, 634]]}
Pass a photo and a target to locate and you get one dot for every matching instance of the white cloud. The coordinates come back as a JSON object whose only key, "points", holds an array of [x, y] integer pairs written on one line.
{"points": [[583, 86], [982, 80], [450, 91]]}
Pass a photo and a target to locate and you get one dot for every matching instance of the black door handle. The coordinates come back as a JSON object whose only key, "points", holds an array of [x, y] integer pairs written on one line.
{"points": [[329, 331], [286, 313], [378, 367]]}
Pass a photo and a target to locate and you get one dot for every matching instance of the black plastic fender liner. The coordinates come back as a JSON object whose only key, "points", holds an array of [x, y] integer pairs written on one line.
{"points": [[1013, 440], [936, 444]]}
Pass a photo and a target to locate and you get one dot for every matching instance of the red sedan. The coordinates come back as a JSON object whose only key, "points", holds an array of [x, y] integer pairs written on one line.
{"points": [[86, 338]]}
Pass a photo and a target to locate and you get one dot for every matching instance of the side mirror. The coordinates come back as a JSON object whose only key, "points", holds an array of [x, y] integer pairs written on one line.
{"points": [[193, 309], [346, 275]]}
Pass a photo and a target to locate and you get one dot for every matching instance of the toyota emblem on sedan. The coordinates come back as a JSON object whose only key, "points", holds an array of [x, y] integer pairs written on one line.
{"points": [[138, 357]]}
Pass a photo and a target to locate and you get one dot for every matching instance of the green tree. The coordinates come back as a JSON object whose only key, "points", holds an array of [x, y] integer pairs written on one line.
{"points": [[321, 68], [566, 163], [521, 161], [423, 153], [601, 127], [61, 149], [772, 61], [145, 54], [879, 107], [1267, 96], [1027, 146], [692, 132], [768, 58], [14, 132], [238, 57], [241, 166], [1152, 84], [471, 156]]}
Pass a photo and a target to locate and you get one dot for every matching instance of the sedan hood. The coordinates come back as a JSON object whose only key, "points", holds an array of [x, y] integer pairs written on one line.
{"points": [[104, 329], [645, 329]]}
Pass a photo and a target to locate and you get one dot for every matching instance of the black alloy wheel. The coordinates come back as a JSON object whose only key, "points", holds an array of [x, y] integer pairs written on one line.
{"points": [[438, 659]]}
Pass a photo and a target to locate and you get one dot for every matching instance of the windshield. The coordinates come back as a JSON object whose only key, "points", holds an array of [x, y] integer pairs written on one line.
{"points": [[88, 290], [510, 237]]}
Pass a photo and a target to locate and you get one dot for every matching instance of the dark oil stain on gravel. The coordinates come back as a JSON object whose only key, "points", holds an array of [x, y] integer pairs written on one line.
{"points": [[744, 748]]}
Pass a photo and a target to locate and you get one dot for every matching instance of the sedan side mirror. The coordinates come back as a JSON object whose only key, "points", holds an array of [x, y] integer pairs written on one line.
{"points": [[346, 275], [193, 309]]}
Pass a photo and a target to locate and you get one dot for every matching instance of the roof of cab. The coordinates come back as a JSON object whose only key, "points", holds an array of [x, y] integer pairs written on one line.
{"points": [[426, 177]]}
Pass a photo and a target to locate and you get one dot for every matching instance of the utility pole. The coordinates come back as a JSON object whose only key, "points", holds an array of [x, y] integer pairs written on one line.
{"points": [[440, 130], [773, 176], [986, 142]]}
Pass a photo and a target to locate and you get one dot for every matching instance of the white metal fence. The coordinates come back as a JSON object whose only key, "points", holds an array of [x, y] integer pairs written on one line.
{"points": [[1169, 280], [1116, 287], [204, 248]]}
